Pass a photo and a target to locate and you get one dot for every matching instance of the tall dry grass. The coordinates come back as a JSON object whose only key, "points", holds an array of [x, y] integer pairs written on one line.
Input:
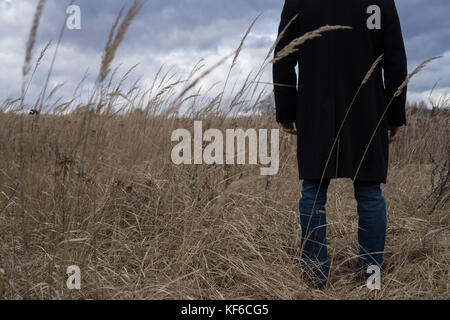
{"points": [[92, 184]]}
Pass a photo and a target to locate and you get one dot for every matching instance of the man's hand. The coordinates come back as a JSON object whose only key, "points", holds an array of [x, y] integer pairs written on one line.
{"points": [[394, 133], [289, 128]]}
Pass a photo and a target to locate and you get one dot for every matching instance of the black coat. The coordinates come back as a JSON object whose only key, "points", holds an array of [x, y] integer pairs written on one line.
{"points": [[331, 69]]}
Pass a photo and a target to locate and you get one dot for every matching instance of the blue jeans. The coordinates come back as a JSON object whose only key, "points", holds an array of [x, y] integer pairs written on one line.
{"points": [[313, 221]]}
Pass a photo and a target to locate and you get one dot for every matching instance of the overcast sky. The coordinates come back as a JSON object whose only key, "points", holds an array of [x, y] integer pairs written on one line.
{"points": [[178, 33]]}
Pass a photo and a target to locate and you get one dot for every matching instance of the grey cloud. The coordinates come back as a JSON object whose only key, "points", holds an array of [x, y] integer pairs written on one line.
{"points": [[199, 28]]}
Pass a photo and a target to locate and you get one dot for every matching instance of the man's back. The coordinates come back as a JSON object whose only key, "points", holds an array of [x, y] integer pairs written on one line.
{"points": [[331, 70]]}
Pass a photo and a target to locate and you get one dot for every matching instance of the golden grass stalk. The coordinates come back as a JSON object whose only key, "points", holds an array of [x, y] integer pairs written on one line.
{"points": [[32, 37], [372, 69], [29, 47], [397, 93], [241, 44], [61, 33], [259, 73], [280, 36], [412, 74], [38, 62], [275, 84], [114, 42], [204, 74], [236, 56], [41, 55], [292, 46]]}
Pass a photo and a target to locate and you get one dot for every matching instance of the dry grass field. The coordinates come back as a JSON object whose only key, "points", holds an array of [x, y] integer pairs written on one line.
{"points": [[84, 184]]}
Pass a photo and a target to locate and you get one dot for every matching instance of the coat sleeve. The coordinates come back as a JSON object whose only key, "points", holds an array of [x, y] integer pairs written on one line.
{"points": [[284, 75], [394, 64]]}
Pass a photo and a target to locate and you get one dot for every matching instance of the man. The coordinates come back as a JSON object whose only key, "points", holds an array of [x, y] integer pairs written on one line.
{"points": [[314, 105]]}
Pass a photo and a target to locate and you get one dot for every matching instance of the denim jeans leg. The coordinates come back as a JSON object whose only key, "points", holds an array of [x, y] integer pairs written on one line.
{"points": [[313, 223], [372, 224]]}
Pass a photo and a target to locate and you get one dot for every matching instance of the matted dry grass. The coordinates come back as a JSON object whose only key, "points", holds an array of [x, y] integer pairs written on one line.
{"points": [[141, 227]]}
